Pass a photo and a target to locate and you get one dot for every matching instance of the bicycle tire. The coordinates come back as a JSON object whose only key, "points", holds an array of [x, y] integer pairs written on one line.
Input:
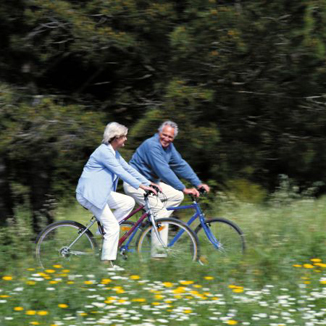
{"points": [[52, 245], [185, 248], [230, 240]]}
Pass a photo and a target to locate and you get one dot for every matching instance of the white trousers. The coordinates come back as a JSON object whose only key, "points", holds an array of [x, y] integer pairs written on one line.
{"points": [[174, 198], [122, 206]]}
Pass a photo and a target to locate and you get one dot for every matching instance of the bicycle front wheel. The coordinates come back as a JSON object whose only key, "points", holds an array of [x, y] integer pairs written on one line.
{"points": [[223, 238], [62, 243], [177, 241]]}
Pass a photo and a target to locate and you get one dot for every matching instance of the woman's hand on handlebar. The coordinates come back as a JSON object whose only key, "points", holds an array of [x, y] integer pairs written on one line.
{"points": [[156, 187], [191, 191], [148, 188]]}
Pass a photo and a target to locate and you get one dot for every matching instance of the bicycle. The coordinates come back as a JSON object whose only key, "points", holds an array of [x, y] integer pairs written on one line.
{"points": [[63, 241], [216, 235]]}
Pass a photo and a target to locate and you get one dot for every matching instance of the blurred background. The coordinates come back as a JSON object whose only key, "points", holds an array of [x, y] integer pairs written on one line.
{"points": [[245, 81]]}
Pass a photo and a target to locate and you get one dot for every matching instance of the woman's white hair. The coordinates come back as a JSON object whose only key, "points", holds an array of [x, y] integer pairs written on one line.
{"points": [[170, 124], [113, 130]]}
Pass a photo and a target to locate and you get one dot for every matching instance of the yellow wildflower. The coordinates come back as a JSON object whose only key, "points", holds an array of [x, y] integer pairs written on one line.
{"points": [[315, 260], [138, 300], [62, 305], [57, 266], [209, 278], [7, 278], [232, 322], [42, 313], [168, 284], [186, 282], [30, 282], [106, 281], [30, 312], [159, 296], [308, 266], [134, 277], [180, 289], [89, 282], [18, 308], [50, 271]]}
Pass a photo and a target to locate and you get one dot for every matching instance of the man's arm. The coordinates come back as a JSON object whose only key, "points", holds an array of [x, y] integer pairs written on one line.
{"points": [[162, 168]]}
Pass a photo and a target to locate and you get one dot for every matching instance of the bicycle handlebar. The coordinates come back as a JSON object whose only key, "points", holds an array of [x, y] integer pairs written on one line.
{"points": [[202, 192]]}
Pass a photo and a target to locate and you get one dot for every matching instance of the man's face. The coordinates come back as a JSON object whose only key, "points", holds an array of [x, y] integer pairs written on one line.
{"points": [[166, 136]]}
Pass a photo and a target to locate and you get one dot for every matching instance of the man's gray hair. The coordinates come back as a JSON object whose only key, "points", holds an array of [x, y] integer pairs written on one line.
{"points": [[170, 124], [113, 130]]}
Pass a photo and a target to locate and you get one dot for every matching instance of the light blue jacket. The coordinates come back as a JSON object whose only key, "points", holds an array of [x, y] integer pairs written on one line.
{"points": [[157, 163], [101, 175]]}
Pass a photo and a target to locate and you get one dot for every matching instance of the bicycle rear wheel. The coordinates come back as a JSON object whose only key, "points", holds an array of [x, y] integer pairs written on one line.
{"points": [[224, 239], [180, 243], [58, 244]]}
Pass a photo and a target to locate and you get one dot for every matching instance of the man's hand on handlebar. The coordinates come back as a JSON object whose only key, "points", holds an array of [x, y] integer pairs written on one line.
{"points": [[149, 188], [204, 187], [191, 191]]}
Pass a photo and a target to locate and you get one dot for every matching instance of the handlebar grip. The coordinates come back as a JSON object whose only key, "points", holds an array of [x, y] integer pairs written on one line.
{"points": [[202, 191]]}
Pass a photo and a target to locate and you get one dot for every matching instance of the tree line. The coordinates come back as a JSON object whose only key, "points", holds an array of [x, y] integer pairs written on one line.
{"points": [[245, 81]]}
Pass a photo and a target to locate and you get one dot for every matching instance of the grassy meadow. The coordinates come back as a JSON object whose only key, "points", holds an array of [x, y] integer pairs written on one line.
{"points": [[281, 279]]}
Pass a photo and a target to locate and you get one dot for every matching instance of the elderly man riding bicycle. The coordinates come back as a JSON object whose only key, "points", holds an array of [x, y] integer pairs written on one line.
{"points": [[158, 161]]}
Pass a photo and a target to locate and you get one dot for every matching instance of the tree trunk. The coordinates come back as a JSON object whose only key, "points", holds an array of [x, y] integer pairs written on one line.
{"points": [[6, 202]]}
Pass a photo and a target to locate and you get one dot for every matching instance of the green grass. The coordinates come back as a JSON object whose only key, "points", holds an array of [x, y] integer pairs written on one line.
{"points": [[281, 279]]}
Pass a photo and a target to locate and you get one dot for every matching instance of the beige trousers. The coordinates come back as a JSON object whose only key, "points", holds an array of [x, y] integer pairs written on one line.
{"points": [[174, 198]]}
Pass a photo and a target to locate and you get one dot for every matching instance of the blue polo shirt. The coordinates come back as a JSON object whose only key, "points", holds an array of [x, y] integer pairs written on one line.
{"points": [[157, 163]]}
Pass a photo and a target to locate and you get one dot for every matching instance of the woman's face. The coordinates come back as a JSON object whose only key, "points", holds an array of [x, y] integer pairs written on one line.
{"points": [[119, 141]]}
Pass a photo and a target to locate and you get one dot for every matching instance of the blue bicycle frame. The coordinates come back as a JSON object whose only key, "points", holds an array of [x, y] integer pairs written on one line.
{"points": [[201, 215]]}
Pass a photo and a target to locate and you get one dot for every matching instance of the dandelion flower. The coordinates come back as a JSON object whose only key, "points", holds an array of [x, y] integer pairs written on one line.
{"points": [[50, 271], [106, 281], [315, 260], [296, 265], [63, 305], [308, 266], [139, 300], [187, 311], [232, 322], [42, 313], [53, 282], [18, 308], [89, 282], [186, 282], [7, 278], [134, 277], [30, 282], [168, 284], [30, 312], [34, 323], [209, 278], [57, 266]]}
